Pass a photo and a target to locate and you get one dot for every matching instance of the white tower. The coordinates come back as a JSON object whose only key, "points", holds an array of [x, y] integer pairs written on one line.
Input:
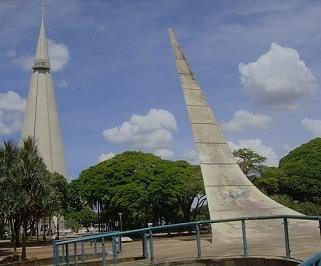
{"points": [[229, 192], [41, 117]]}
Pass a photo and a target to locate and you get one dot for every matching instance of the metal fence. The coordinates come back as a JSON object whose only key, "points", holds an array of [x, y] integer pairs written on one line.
{"points": [[61, 248]]}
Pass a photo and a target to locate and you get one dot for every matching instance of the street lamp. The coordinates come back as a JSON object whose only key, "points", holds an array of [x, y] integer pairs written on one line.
{"points": [[121, 229]]}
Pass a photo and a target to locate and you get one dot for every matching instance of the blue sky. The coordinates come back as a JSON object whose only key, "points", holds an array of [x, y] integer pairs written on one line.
{"points": [[113, 59]]}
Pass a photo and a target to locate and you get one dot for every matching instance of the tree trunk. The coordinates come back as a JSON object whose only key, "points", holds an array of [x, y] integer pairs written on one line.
{"points": [[2, 223], [44, 229], [58, 227], [16, 228], [99, 222], [24, 240], [37, 231], [50, 230], [13, 237]]}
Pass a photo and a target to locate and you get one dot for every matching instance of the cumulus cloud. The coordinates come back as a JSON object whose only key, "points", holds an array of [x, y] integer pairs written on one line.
{"points": [[12, 101], [191, 156], [257, 146], [244, 119], [58, 55], [313, 126], [25, 61], [63, 84], [150, 131], [164, 153], [12, 106], [10, 53], [101, 28], [106, 156], [278, 78]]}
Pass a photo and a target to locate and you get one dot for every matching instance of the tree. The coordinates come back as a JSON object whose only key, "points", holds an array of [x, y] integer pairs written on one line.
{"points": [[270, 180], [83, 218], [27, 186], [60, 186], [302, 167], [144, 188], [250, 162], [8, 156], [296, 183]]}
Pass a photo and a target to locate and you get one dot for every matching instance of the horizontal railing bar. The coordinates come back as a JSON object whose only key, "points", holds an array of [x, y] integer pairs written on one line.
{"points": [[188, 224]]}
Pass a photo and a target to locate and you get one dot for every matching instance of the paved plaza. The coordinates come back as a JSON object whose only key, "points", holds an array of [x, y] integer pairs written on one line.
{"points": [[304, 241]]}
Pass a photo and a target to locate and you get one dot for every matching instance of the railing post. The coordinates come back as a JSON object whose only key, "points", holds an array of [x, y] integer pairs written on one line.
{"points": [[144, 243], [286, 238], [67, 255], [75, 253], [114, 249], [120, 243], [95, 247], [82, 252], [63, 253], [103, 252], [55, 254], [245, 247], [198, 241], [151, 247]]}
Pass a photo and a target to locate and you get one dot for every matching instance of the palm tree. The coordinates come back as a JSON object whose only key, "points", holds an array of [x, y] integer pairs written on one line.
{"points": [[8, 156], [29, 188]]}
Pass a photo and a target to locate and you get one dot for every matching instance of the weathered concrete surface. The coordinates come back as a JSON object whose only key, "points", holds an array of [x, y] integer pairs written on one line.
{"points": [[41, 117], [229, 192]]}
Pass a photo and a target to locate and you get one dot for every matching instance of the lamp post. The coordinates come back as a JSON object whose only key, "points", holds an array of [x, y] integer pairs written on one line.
{"points": [[121, 229]]}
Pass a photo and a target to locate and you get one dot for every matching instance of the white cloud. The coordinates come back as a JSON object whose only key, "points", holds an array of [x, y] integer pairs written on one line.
{"points": [[101, 28], [63, 84], [106, 156], [313, 126], [10, 53], [58, 55], [191, 156], [257, 146], [243, 120], [287, 148], [278, 78], [150, 131], [164, 153], [12, 106], [12, 101], [25, 61]]}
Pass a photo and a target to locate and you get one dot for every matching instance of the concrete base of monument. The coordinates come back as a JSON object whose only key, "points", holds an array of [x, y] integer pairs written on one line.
{"points": [[267, 238]]}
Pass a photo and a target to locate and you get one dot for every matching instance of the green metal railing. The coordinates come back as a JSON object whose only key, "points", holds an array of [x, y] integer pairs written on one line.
{"points": [[61, 254]]}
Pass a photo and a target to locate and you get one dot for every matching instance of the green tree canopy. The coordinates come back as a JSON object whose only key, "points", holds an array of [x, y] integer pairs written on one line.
{"points": [[249, 161], [143, 187], [28, 188], [304, 161], [297, 179]]}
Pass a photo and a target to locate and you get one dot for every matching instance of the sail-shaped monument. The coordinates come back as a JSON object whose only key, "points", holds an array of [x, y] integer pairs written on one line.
{"points": [[41, 116], [229, 192]]}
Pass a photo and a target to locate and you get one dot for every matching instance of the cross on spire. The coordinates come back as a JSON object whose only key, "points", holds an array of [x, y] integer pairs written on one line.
{"points": [[43, 4]]}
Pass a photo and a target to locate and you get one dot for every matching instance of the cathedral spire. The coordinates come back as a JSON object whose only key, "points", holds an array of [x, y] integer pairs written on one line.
{"points": [[41, 117], [42, 58]]}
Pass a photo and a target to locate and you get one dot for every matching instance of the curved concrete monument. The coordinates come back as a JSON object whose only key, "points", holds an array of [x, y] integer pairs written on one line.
{"points": [[229, 192], [41, 117]]}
